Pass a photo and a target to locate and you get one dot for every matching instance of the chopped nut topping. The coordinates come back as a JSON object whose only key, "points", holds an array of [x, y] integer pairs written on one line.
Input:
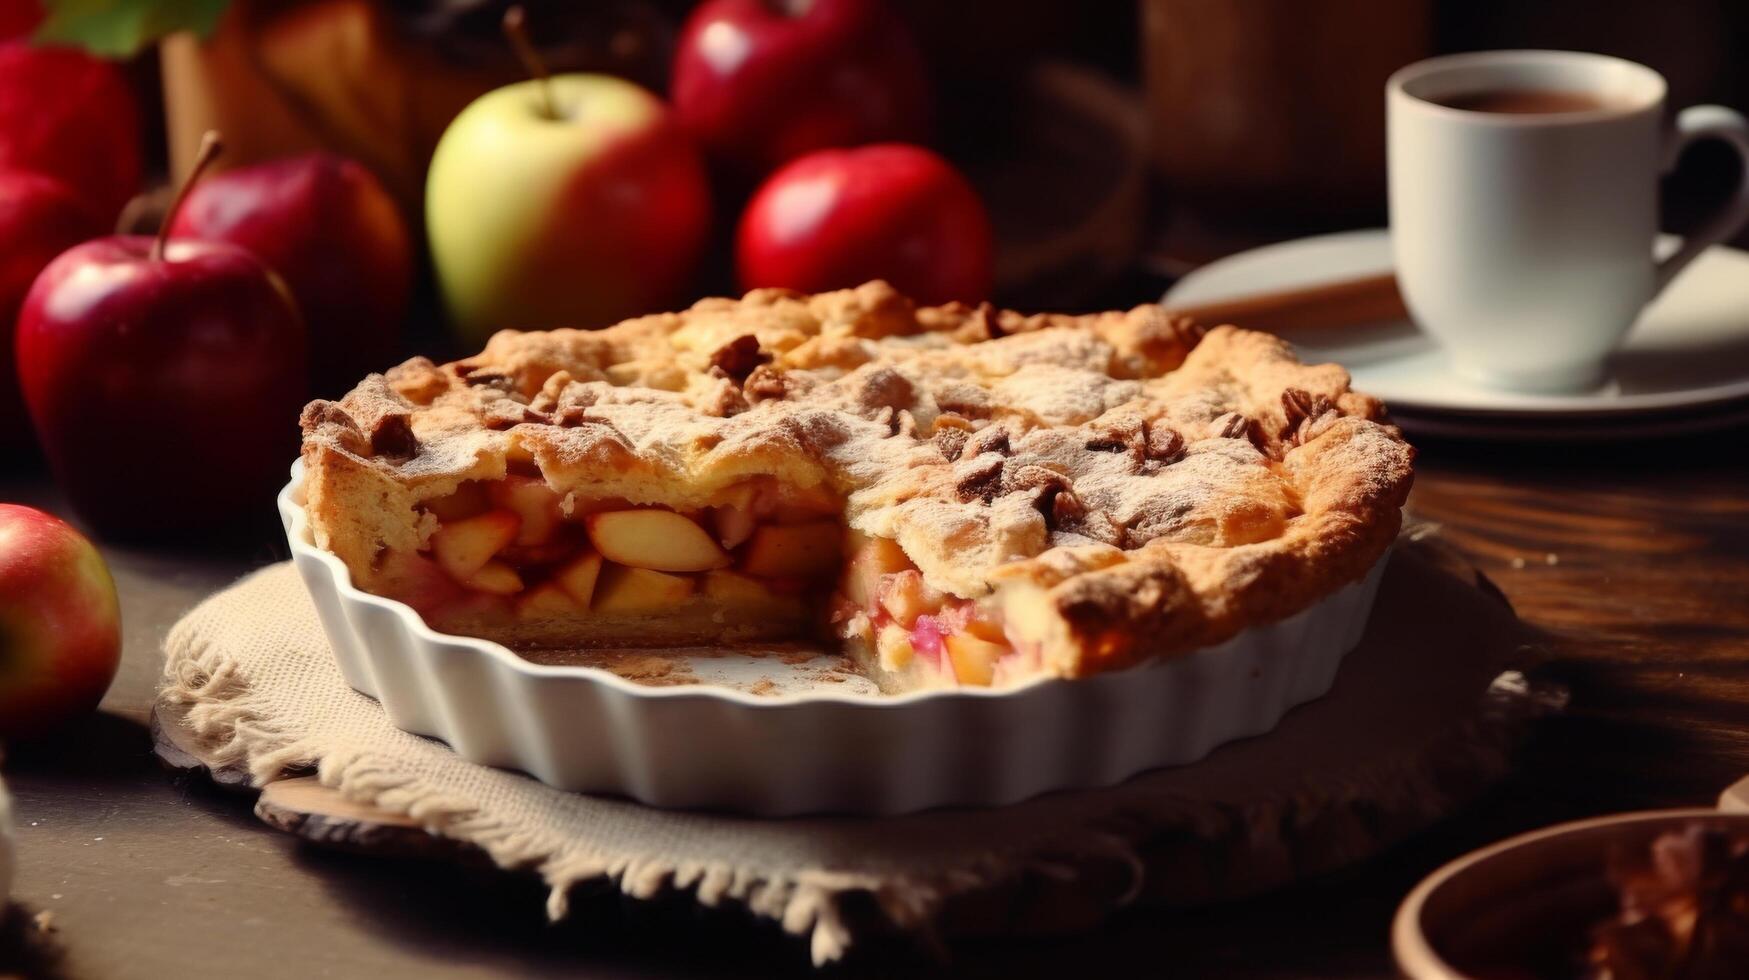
{"points": [[1232, 425], [993, 439], [1066, 509], [1033, 476], [392, 436], [737, 358], [1684, 907], [1164, 444], [951, 442], [1053, 494], [978, 477], [488, 379], [768, 382], [322, 412], [505, 412], [1150, 444], [1308, 416], [390, 433], [319, 413], [1312, 428], [571, 416], [728, 399]]}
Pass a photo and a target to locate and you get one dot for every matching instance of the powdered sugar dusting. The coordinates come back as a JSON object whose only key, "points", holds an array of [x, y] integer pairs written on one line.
{"points": [[976, 438]]}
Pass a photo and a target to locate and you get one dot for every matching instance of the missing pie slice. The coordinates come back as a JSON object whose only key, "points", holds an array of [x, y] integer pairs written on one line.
{"points": [[958, 495]]}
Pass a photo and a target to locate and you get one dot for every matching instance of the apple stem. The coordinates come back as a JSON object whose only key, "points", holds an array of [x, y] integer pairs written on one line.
{"points": [[516, 29], [211, 145]]}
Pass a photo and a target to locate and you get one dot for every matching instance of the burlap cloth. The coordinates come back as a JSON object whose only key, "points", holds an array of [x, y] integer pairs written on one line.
{"points": [[1421, 718]]}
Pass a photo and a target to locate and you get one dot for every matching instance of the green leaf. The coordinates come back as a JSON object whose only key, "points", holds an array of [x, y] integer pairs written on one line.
{"points": [[120, 28]]}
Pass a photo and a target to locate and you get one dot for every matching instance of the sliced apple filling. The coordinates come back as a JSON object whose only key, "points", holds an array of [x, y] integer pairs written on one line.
{"points": [[515, 561], [913, 636], [521, 563]]}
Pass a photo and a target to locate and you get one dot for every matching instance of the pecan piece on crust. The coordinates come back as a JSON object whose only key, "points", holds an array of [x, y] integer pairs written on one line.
{"points": [[1308, 416], [728, 401], [1034, 476], [1233, 425], [491, 379], [951, 442], [1163, 444], [978, 478], [387, 433], [1312, 428], [1067, 510], [1053, 494], [739, 357], [992, 439], [502, 413], [1146, 442], [392, 436], [771, 383], [321, 414]]}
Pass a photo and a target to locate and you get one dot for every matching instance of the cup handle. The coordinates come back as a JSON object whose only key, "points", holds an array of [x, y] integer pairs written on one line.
{"points": [[1703, 122]]}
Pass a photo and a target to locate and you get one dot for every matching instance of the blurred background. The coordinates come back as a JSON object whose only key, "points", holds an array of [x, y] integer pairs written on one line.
{"points": [[1110, 147], [1114, 144], [1107, 138]]}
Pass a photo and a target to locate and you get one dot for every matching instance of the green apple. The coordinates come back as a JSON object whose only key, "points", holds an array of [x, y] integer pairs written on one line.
{"points": [[577, 216]]}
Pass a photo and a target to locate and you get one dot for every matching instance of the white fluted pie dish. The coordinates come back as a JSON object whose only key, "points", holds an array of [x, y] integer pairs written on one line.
{"points": [[817, 744]]}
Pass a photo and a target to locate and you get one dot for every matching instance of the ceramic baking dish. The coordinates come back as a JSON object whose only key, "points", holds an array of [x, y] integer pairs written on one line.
{"points": [[821, 748]]}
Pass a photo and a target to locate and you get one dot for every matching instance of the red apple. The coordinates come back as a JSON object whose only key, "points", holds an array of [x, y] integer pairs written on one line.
{"points": [[164, 378], [760, 82], [65, 113], [60, 628], [331, 231], [19, 17], [40, 218], [838, 218]]}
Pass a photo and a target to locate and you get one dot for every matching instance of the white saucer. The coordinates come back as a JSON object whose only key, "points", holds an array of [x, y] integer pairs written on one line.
{"points": [[1684, 366]]}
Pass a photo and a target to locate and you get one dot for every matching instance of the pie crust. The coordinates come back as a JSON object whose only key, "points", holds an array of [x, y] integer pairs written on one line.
{"points": [[1060, 495]]}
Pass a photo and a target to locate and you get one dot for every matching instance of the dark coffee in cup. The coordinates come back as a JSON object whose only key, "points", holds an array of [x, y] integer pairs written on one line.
{"points": [[1524, 228], [1526, 101]]}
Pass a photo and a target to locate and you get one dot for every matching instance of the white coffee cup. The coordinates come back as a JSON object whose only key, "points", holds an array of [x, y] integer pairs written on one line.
{"points": [[1524, 240]]}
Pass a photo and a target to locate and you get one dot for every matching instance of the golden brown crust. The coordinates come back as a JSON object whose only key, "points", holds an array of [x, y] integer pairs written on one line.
{"points": [[1158, 488]]}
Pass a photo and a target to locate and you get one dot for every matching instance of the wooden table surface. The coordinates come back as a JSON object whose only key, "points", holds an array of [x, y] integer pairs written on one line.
{"points": [[1634, 556]]}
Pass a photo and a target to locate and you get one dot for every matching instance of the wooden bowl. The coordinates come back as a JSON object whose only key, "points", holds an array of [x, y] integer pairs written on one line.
{"points": [[1492, 913]]}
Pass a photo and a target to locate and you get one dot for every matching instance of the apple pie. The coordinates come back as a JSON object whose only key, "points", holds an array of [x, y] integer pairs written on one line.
{"points": [[959, 495]]}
